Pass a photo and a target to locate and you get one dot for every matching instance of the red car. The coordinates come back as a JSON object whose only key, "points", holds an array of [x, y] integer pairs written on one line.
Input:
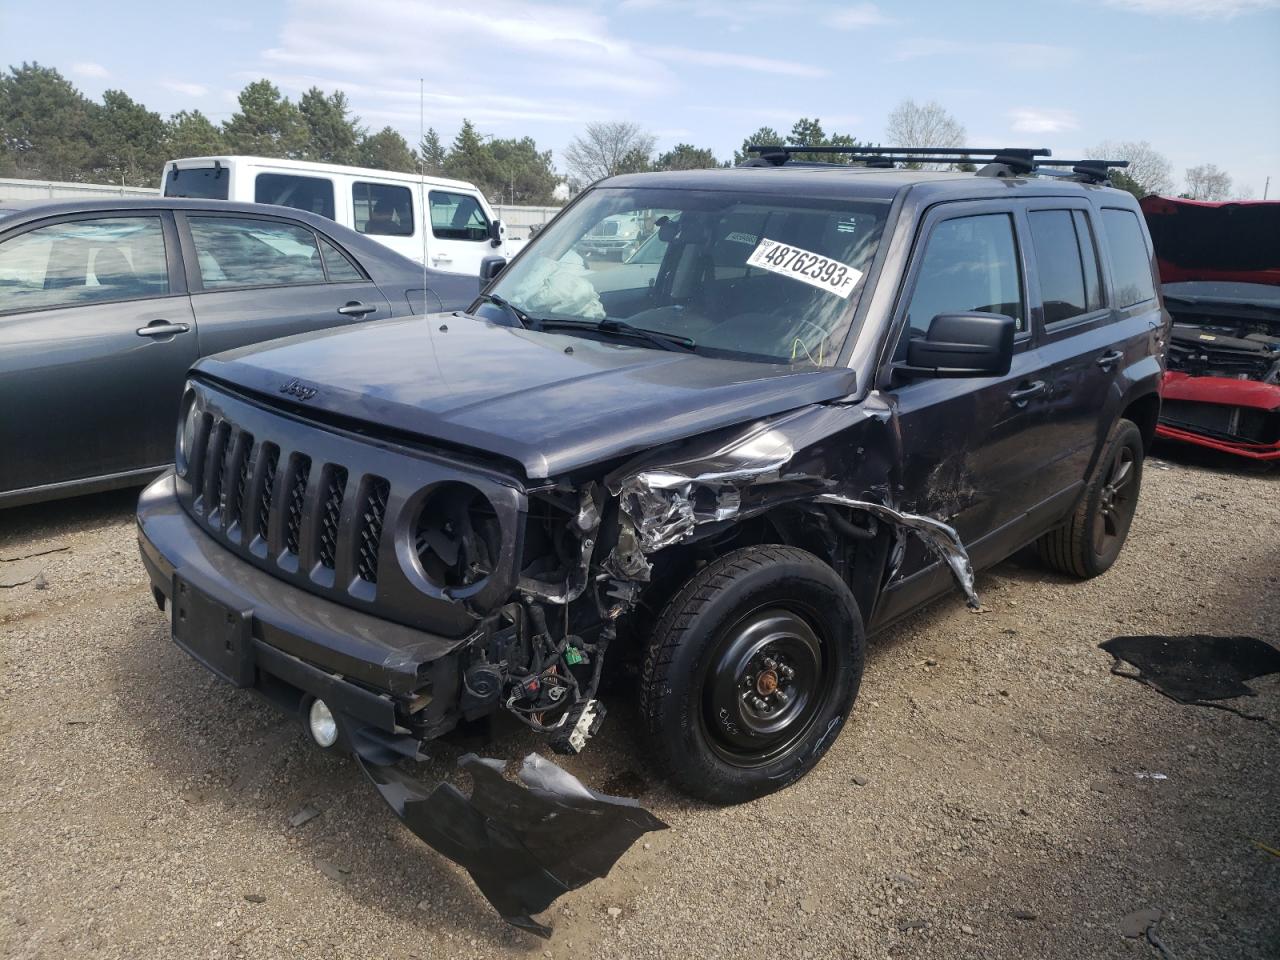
{"points": [[1220, 276]]}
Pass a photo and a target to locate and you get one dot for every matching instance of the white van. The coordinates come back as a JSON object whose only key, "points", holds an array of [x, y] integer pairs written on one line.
{"points": [[459, 230]]}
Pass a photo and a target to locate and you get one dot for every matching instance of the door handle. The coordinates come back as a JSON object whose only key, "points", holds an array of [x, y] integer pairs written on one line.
{"points": [[162, 328], [357, 309], [1110, 359], [1024, 393], [441, 259]]}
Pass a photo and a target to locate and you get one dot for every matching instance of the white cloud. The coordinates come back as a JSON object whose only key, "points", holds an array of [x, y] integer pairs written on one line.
{"points": [[858, 16], [186, 89], [499, 44], [95, 71], [1199, 9], [992, 55], [1042, 120], [712, 58]]}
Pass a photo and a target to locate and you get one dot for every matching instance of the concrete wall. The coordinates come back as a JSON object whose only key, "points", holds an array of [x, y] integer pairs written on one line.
{"points": [[58, 190], [520, 219]]}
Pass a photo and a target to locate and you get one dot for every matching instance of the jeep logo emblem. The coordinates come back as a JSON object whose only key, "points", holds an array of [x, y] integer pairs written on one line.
{"points": [[296, 388]]}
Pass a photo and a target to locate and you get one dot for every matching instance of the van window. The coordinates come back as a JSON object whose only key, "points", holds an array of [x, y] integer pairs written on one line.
{"points": [[235, 252], [970, 265], [457, 216], [1066, 264], [313, 194], [200, 183], [382, 209], [1130, 258], [83, 261]]}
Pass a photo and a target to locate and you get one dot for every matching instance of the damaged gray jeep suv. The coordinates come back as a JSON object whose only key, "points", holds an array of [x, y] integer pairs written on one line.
{"points": [[816, 397]]}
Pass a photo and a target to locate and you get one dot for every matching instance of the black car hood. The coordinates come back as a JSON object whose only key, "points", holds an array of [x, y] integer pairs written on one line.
{"points": [[550, 402]]}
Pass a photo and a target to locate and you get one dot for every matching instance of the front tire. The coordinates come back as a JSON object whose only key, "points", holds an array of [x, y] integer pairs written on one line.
{"points": [[1089, 543], [750, 673]]}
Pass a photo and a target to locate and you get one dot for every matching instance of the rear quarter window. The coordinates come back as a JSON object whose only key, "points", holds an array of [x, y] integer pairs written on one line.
{"points": [[1130, 257]]}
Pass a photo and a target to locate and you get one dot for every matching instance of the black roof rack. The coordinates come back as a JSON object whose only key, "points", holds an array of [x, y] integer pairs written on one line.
{"points": [[998, 161]]}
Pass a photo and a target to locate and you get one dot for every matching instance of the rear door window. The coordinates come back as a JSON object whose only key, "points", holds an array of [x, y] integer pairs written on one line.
{"points": [[1066, 264], [457, 216], [970, 265], [313, 194], [83, 261], [245, 252], [1130, 258], [382, 209]]}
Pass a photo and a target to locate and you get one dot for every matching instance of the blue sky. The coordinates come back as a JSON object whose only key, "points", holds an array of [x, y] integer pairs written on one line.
{"points": [[1199, 79]]}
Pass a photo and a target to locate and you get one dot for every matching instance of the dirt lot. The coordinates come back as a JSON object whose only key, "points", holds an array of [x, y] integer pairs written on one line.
{"points": [[988, 799]]}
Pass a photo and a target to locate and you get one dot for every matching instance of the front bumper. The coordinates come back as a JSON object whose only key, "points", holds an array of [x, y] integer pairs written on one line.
{"points": [[384, 680], [1202, 411]]}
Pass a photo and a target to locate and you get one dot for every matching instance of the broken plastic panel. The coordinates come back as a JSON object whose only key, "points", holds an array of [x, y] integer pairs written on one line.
{"points": [[524, 846]]}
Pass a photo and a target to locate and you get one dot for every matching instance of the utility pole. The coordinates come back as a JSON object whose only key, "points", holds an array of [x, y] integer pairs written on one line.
{"points": [[1266, 187]]}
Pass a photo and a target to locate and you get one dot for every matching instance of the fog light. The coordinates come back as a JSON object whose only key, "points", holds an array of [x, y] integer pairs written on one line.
{"points": [[324, 728]]}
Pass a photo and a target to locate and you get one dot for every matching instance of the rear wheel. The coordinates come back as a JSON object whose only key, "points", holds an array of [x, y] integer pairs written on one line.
{"points": [[750, 673], [1091, 540]]}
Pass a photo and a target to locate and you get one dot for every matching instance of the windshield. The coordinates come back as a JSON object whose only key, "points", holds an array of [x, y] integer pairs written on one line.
{"points": [[769, 278]]}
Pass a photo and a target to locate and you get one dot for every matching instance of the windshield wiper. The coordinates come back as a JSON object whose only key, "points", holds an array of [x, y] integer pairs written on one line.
{"points": [[511, 308], [658, 338]]}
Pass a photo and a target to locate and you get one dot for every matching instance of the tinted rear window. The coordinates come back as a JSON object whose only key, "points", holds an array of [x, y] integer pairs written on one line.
{"points": [[201, 183], [313, 194], [1130, 259]]}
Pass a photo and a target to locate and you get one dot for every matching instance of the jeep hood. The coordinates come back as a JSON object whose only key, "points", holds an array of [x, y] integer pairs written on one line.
{"points": [[1199, 241], [549, 402]]}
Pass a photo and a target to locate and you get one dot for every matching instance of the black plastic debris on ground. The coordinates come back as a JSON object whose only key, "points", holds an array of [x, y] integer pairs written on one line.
{"points": [[524, 846], [1196, 668]]}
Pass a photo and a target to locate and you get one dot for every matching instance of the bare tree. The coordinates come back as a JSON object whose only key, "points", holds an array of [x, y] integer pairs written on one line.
{"points": [[1207, 182], [608, 148], [1148, 167], [913, 124]]}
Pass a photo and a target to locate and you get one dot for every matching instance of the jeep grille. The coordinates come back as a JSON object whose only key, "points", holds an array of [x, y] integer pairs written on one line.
{"points": [[316, 508]]}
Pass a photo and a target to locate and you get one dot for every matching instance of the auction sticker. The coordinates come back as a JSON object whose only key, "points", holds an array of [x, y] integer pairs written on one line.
{"points": [[806, 266]]}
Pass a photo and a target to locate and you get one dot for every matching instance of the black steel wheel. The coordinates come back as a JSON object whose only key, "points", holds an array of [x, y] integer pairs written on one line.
{"points": [[751, 671], [765, 682], [1092, 538]]}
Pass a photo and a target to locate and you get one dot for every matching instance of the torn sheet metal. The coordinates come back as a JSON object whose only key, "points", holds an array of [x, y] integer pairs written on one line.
{"points": [[524, 846], [666, 503], [938, 536]]}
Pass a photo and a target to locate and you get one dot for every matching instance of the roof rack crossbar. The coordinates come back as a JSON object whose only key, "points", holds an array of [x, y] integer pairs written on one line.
{"points": [[999, 161], [970, 152]]}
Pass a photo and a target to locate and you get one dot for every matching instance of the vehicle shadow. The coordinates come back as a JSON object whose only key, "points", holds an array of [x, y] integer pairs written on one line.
{"points": [[63, 518], [1189, 455]]}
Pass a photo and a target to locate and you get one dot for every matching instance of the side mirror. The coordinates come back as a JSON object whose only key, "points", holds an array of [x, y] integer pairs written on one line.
{"points": [[963, 345], [490, 267], [495, 233]]}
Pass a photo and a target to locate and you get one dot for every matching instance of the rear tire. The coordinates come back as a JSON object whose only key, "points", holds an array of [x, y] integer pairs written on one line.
{"points": [[750, 673], [1089, 543]]}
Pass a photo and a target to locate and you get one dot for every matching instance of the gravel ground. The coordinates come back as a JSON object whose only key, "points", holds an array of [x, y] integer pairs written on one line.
{"points": [[987, 800]]}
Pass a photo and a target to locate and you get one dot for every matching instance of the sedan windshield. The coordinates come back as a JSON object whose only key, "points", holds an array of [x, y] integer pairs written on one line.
{"points": [[768, 278]]}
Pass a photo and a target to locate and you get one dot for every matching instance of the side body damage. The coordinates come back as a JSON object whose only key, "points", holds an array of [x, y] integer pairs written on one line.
{"points": [[821, 478]]}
